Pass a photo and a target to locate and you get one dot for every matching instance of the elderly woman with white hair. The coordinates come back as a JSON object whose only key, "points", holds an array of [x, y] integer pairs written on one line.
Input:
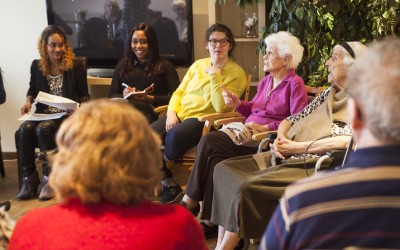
{"points": [[181, 19], [247, 188], [112, 15], [280, 94]]}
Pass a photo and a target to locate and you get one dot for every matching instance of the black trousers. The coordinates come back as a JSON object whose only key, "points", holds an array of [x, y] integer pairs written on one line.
{"points": [[180, 138], [212, 149], [30, 135]]}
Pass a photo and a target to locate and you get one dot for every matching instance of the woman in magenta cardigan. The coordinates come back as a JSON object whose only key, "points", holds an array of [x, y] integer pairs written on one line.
{"points": [[280, 94], [103, 173]]}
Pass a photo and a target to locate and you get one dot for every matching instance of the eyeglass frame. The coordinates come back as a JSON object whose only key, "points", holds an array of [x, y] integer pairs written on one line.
{"points": [[216, 42]]}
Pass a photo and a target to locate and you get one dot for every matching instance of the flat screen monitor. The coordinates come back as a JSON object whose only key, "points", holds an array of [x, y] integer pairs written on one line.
{"points": [[99, 29]]}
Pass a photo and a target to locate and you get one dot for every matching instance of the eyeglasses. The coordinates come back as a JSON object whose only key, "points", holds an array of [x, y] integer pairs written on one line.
{"points": [[141, 41], [222, 42]]}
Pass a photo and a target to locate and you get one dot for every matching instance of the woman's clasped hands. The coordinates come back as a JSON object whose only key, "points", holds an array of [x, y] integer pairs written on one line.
{"points": [[283, 147]]}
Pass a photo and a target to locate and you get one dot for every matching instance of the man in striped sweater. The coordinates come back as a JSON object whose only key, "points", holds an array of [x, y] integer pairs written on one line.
{"points": [[357, 206]]}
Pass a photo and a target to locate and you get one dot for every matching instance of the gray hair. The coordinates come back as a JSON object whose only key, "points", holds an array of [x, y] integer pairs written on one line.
{"points": [[286, 45], [358, 49], [374, 84], [175, 3], [113, 2]]}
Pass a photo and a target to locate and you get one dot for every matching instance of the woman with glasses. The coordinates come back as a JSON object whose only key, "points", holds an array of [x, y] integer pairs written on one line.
{"points": [[280, 94], [139, 69], [200, 93]]}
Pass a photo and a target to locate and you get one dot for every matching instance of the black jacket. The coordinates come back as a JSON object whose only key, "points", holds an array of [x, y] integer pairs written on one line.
{"points": [[74, 84]]}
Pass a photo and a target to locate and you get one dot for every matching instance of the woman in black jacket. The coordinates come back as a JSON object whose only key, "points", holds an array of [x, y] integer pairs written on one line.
{"points": [[56, 73], [140, 68]]}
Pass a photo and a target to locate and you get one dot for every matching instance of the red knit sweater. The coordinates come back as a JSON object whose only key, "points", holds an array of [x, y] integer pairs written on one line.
{"points": [[108, 226]]}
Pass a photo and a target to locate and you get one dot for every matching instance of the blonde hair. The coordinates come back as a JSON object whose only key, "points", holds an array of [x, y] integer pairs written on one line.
{"points": [[106, 152], [374, 84], [67, 57], [286, 45]]}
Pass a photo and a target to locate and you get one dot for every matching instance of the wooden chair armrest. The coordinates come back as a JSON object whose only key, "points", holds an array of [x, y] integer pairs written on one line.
{"points": [[264, 138], [217, 116], [262, 135], [209, 119], [223, 121], [161, 110]]}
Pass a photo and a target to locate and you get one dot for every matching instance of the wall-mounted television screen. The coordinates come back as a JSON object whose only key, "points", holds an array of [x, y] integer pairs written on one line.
{"points": [[99, 29]]}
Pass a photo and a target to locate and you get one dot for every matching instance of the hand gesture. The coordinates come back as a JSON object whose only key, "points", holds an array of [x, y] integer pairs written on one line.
{"points": [[230, 99], [26, 107], [128, 90], [144, 98], [258, 128], [172, 120], [214, 69]]}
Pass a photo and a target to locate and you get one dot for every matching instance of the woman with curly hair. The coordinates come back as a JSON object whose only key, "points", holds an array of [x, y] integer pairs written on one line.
{"points": [[56, 73]]}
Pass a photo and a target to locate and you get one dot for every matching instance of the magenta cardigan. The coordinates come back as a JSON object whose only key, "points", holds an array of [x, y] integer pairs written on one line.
{"points": [[287, 99]]}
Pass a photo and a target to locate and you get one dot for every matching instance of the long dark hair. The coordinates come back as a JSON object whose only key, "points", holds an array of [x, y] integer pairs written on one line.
{"points": [[154, 60], [224, 29]]}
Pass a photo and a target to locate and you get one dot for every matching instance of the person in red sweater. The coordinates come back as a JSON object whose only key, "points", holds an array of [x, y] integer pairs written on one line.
{"points": [[107, 163]]}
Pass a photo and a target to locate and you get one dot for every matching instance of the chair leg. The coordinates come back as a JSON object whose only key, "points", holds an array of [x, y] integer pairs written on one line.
{"points": [[2, 169], [157, 191], [19, 168]]}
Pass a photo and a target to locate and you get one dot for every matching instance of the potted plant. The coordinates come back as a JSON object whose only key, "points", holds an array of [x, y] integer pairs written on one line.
{"points": [[320, 24]]}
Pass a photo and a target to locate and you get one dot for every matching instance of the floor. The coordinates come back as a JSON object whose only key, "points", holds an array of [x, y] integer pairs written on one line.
{"points": [[8, 191]]}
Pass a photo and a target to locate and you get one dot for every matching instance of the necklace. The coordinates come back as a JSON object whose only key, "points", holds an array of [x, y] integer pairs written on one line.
{"points": [[273, 86]]}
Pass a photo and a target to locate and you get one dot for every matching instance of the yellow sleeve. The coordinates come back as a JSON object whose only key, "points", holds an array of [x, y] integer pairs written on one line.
{"points": [[176, 97], [233, 78]]}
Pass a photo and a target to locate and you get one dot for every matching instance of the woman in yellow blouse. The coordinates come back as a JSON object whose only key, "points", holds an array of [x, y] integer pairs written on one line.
{"points": [[199, 93]]}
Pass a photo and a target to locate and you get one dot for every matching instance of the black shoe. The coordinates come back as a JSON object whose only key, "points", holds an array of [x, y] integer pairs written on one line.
{"points": [[240, 244], [6, 205], [29, 187], [171, 193], [46, 192], [195, 211], [209, 231]]}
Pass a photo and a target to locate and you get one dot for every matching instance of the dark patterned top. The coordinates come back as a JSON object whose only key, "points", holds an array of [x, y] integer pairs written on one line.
{"points": [[55, 85]]}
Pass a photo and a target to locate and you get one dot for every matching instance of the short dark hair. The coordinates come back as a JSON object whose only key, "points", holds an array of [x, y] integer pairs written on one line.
{"points": [[222, 28]]}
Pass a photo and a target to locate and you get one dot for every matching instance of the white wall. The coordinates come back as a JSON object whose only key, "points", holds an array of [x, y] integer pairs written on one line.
{"points": [[22, 21]]}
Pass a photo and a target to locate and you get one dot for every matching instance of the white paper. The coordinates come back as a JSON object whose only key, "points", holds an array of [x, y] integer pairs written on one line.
{"points": [[148, 90], [56, 101], [41, 117], [134, 94]]}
